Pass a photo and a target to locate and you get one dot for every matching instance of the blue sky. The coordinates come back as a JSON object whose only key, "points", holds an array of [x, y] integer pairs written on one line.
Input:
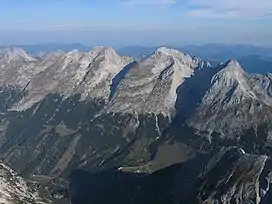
{"points": [[129, 22]]}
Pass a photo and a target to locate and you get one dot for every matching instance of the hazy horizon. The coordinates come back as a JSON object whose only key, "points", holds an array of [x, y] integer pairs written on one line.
{"points": [[140, 22], [85, 45]]}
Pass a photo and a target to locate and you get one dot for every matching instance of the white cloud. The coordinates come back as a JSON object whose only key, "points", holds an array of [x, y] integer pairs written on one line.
{"points": [[242, 9], [134, 3], [229, 8]]}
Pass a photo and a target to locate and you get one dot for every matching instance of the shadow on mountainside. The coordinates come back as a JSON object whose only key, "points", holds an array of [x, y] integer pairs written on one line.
{"points": [[118, 78], [207, 176], [191, 92], [169, 185]]}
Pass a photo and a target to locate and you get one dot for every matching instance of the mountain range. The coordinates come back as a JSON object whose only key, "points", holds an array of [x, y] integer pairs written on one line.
{"points": [[144, 122], [254, 59], [212, 51]]}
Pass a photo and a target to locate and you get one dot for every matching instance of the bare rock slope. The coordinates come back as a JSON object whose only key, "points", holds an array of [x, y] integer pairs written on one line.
{"points": [[14, 189], [98, 109], [150, 86]]}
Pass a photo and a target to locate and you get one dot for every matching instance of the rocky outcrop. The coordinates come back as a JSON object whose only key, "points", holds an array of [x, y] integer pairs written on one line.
{"points": [[233, 176], [17, 67], [14, 189]]}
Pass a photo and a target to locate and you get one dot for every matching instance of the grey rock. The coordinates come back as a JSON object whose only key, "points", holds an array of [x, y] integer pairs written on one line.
{"points": [[68, 74], [14, 189], [64, 111], [232, 176], [226, 99], [150, 86], [17, 67]]}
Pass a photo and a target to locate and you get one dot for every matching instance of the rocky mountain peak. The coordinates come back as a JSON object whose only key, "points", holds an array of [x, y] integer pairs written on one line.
{"points": [[232, 63], [16, 67], [102, 51], [15, 53], [156, 77], [233, 66], [232, 77], [167, 51], [74, 54], [164, 52], [179, 58], [89, 74], [99, 49], [229, 87], [109, 54], [231, 73], [14, 189]]}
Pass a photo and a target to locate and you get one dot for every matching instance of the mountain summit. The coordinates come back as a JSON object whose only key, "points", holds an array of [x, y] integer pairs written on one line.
{"points": [[150, 86], [74, 72], [15, 53]]}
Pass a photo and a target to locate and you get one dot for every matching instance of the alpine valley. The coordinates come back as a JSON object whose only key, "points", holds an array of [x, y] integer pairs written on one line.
{"points": [[169, 128]]}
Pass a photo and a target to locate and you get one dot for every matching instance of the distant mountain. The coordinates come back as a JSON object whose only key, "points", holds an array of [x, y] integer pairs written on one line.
{"points": [[222, 52], [254, 59], [256, 63], [137, 51], [213, 51], [218, 52], [50, 47]]}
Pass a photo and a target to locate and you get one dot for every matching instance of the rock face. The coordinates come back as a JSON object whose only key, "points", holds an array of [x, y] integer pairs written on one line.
{"points": [[230, 176], [70, 114], [97, 110], [225, 99], [150, 86], [14, 189], [16, 67], [233, 176], [74, 72]]}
